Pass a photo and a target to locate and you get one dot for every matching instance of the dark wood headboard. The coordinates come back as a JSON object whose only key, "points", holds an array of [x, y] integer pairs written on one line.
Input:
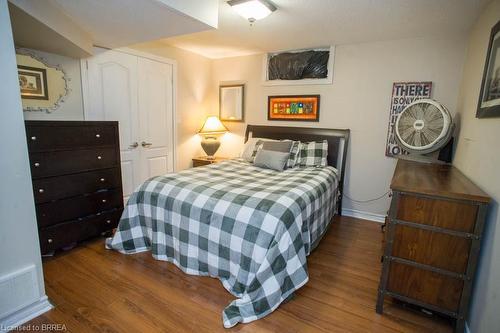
{"points": [[338, 141]]}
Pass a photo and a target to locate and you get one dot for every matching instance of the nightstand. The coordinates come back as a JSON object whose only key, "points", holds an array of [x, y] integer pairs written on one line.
{"points": [[200, 161]]}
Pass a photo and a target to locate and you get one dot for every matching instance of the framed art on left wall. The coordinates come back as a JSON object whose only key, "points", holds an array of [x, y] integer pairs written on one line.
{"points": [[33, 82]]}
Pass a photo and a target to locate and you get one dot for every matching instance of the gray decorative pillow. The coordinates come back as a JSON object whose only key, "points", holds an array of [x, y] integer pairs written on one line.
{"points": [[313, 153], [281, 146], [271, 159]]}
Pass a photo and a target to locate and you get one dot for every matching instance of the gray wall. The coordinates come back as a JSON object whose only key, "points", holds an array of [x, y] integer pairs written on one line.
{"points": [[359, 99], [19, 247], [478, 156]]}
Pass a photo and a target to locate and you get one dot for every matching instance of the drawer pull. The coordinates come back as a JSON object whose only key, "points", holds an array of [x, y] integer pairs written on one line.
{"points": [[99, 157], [98, 135], [49, 240], [33, 138], [103, 200], [108, 221], [102, 180], [41, 190], [37, 164]]}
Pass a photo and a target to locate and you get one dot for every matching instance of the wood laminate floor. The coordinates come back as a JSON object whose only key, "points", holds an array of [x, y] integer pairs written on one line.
{"points": [[97, 290]]}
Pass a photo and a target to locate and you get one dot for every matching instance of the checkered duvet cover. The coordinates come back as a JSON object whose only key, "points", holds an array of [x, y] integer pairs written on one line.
{"points": [[250, 227]]}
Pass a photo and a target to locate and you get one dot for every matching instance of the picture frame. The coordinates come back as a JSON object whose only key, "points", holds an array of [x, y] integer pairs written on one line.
{"points": [[293, 108], [489, 96], [33, 82], [307, 81], [231, 102]]}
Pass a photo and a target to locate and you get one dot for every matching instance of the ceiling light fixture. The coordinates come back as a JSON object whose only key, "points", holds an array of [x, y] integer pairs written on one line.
{"points": [[252, 10]]}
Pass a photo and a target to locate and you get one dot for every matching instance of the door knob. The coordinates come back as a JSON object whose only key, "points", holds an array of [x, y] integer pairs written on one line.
{"points": [[146, 144], [134, 145]]}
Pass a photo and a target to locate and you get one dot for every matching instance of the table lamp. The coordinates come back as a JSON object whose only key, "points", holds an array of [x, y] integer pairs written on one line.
{"points": [[211, 130]]}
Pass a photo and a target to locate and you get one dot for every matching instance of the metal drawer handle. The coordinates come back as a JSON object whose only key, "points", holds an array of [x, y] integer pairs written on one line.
{"points": [[134, 145], [108, 221], [104, 200], [33, 138], [37, 164], [98, 135], [99, 157], [49, 240], [102, 180], [41, 190], [146, 144]]}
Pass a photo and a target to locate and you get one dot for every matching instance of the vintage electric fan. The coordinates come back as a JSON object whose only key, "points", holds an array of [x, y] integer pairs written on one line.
{"points": [[423, 128]]}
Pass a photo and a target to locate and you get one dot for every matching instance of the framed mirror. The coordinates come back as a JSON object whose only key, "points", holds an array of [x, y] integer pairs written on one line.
{"points": [[231, 99], [43, 87]]}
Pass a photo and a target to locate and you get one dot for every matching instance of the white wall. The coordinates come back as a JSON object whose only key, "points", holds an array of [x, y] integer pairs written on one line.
{"points": [[359, 99], [19, 247], [478, 156], [195, 97], [72, 107]]}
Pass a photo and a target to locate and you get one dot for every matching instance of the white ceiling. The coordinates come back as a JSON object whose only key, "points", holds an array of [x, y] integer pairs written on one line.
{"points": [[312, 23], [116, 23]]}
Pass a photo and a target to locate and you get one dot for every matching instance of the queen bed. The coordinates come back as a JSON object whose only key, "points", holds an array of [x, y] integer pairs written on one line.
{"points": [[248, 226]]}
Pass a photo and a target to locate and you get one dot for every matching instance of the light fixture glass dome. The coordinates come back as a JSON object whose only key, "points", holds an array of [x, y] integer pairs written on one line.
{"points": [[252, 10]]}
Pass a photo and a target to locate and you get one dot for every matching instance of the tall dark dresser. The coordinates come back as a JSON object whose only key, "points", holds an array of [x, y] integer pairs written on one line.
{"points": [[433, 238], [77, 185]]}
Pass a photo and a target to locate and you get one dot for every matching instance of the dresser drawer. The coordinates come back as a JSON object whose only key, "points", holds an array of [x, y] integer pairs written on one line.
{"points": [[63, 234], [77, 207], [435, 249], [54, 188], [71, 161], [425, 286], [445, 214], [43, 137]]}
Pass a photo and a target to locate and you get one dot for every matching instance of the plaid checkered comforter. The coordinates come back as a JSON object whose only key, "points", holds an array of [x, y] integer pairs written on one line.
{"points": [[250, 227]]}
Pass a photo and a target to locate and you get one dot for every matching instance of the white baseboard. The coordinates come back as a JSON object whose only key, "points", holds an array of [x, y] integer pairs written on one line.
{"points": [[363, 215], [25, 314]]}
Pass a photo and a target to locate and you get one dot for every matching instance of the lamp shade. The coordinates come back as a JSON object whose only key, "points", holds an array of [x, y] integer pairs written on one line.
{"points": [[213, 125]]}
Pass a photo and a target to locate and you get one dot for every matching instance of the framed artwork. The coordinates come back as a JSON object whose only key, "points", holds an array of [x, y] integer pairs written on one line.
{"points": [[294, 107], [231, 99], [489, 98], [33, 82], [299, 67]]}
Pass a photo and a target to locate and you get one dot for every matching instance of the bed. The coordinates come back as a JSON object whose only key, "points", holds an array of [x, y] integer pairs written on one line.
{"points": [[250, 227]]}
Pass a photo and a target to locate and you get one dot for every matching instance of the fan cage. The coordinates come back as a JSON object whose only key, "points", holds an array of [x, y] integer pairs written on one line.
{"points": [[437, 143]]}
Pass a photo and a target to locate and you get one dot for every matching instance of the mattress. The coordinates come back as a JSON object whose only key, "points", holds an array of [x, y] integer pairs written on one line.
{"points": [[250, 227]]}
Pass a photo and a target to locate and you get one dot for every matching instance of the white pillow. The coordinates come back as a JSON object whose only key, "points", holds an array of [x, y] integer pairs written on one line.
{"points": [[249, 146]]}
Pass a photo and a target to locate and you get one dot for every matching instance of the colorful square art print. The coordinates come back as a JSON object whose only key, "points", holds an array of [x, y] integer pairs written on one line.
{"points": [[296, 107]]}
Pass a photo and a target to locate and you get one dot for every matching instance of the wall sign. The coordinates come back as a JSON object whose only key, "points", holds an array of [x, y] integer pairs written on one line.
{"points": [[403, 93]]}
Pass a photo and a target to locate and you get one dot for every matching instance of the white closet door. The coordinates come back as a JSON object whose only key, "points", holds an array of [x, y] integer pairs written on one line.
{"points": [[155, 111], [112, 95]]}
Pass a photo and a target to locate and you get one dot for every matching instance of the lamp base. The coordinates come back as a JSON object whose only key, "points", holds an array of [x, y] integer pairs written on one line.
{"points": [[210, 145]]}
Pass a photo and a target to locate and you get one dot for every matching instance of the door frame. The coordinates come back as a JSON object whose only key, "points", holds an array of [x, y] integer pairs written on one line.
{"points": [[168, 61]]}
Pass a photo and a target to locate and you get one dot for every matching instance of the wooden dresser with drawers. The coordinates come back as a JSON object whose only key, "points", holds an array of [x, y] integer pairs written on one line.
{"points": [[77, 185], [433, 238]]}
